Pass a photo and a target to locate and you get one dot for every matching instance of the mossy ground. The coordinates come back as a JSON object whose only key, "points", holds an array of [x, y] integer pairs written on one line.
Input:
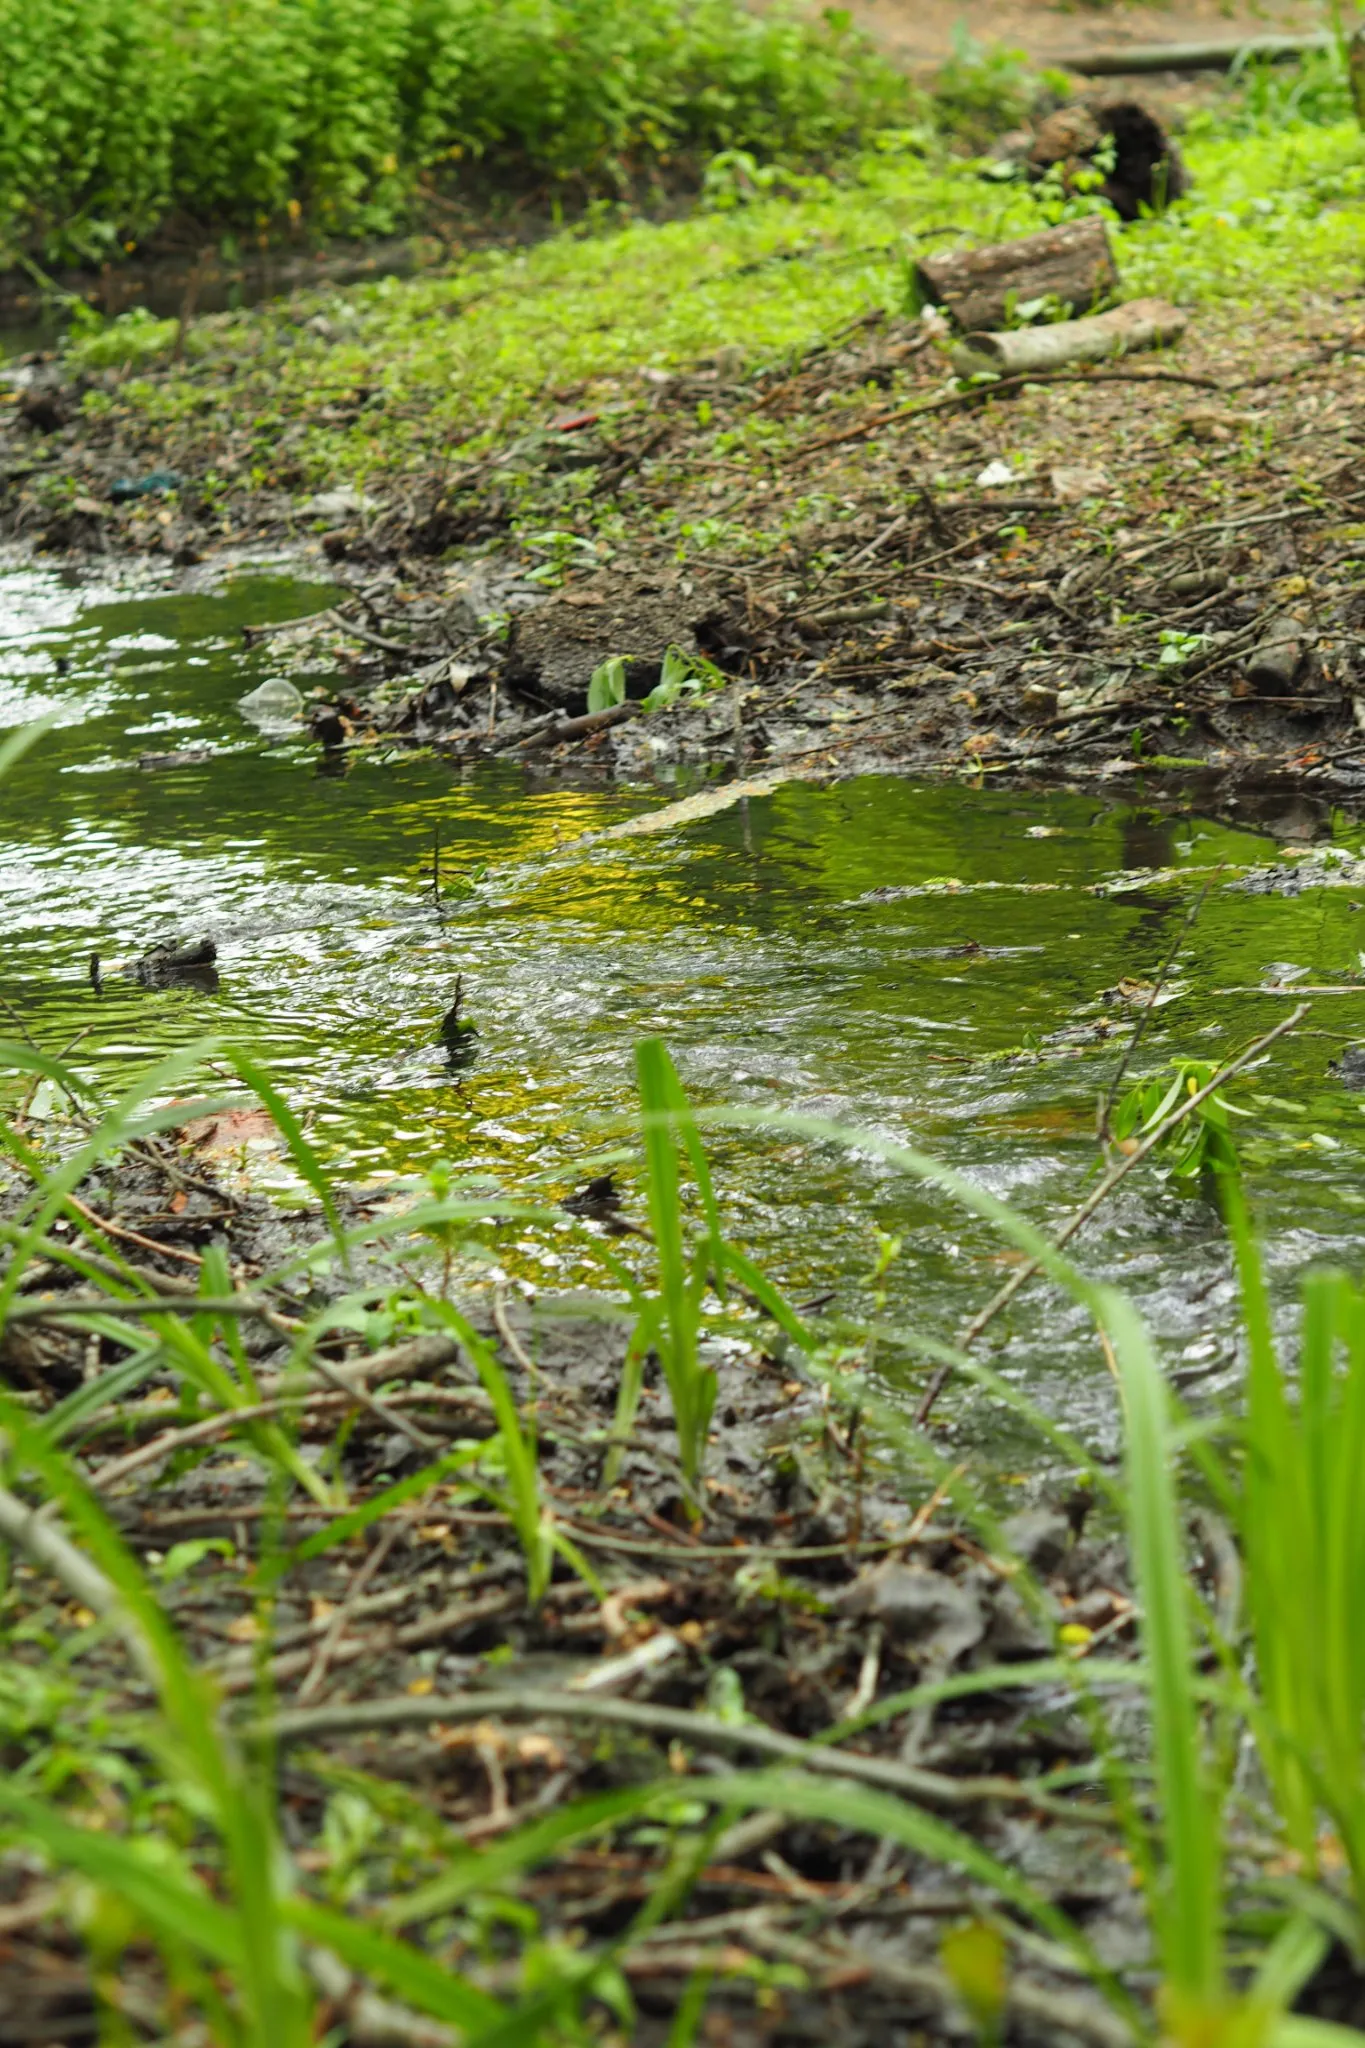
{"points": [[439, 369]]}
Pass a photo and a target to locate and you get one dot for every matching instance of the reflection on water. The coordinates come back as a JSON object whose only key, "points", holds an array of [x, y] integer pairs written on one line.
{"points": [[899, 956]]}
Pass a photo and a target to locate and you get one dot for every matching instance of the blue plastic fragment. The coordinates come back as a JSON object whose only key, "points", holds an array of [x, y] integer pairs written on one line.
{"points": [[150, 486]]}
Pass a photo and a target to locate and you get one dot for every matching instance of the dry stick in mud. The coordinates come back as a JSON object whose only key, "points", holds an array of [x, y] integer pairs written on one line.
{"points": [[1026, 351], [1215, 56], [1099, 1194], [933, 1788]]}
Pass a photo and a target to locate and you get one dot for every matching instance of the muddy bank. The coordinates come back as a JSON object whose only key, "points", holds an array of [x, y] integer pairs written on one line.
{"points": [[1152, 566]]}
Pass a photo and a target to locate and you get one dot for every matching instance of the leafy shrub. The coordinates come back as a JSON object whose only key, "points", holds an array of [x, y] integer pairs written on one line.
{"points": [[115, 114], [983, 90]]}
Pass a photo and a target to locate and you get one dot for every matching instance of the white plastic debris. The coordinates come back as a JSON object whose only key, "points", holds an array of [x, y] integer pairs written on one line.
{"points": [[994, 474], [341, 504], [273, 704]]}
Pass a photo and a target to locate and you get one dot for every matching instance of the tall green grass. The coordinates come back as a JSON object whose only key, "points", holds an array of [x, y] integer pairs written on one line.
{"points": [[120, 116], [234, 1921], [1301, 1512]]}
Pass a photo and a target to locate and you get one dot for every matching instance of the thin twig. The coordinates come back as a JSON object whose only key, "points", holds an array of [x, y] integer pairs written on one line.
{"points": [[346, 1613], [934, 1788], [148, 1244], [1100, 1193], [516, 1349], [215, 1426]]}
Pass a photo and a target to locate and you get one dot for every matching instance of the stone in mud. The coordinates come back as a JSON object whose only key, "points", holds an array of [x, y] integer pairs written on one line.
{"points": [[1349, 1068], [1041, 1537], [554, 648], [1273, 666], [940, 1616]]}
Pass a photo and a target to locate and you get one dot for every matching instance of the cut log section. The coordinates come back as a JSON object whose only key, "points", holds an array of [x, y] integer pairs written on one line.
{"points": [[980, 287], [1142, 323]]}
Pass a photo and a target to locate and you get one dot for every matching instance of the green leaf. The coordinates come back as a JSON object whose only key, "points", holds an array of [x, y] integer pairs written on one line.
{"points": [[608, 685]]}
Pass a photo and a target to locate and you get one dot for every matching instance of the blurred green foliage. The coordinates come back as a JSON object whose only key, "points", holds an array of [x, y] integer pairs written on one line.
{"points": [[119, 117]]}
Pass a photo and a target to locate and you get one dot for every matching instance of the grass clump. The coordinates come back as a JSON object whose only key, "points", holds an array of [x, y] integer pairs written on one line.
{"points": [[122, 117]]}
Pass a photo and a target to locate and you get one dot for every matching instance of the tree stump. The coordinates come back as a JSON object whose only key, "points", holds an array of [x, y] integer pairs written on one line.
{"points": [[1073, 263]]}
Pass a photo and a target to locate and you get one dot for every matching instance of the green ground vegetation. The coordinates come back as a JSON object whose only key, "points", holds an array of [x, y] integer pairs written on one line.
{"points": [[401, 376]]}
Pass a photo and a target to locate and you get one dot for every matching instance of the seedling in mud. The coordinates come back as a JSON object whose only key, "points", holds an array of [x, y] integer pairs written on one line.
{"points": [[682, 675]]}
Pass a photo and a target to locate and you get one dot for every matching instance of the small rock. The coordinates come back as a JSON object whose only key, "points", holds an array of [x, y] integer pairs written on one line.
{"points": [[938, 1614], [1206, 423], [1039, 700], [1273, 665], [1014, 1631], [1198, 582], [1040, 1536]]}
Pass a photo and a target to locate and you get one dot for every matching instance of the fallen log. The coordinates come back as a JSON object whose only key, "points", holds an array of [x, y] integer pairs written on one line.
{"points": [[1220, 56], [980, 287], [1141, 324]]}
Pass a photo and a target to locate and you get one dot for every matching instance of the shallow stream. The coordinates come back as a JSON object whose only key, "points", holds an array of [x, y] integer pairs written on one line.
{"points": [[931, 962]]}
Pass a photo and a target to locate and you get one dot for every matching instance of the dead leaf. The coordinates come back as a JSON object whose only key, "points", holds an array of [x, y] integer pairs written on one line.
{"points": [[230, 1130]]}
